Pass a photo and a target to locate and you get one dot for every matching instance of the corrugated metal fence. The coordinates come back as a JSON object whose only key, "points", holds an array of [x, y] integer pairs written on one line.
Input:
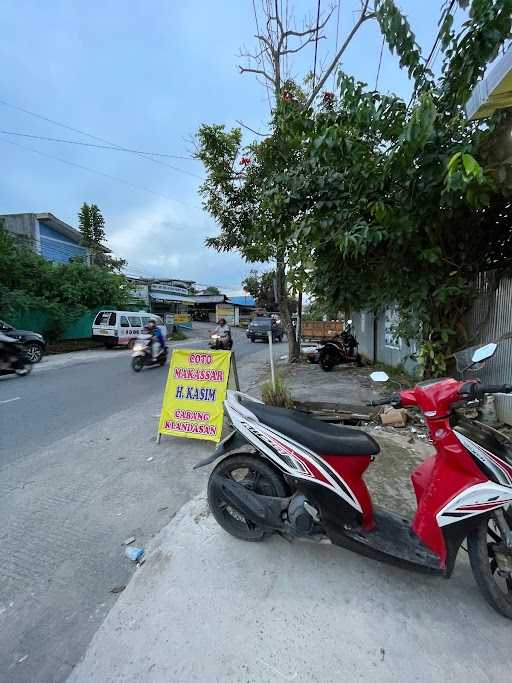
{"points": [[491, 320]]}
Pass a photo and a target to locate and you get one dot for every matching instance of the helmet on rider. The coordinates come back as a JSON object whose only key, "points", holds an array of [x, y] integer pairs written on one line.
{"points": [[150, 326]]}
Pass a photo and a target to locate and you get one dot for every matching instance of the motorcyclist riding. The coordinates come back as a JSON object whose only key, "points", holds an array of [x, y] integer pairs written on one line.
{"points": [[10, 353], [222, 329], [157, 338]]}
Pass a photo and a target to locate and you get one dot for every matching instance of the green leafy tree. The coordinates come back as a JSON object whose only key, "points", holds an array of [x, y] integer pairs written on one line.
{"points": [[262, 287], [63, 291], [243, 186], [405, 205], [92, 226], [212, 290], [377, 202]]}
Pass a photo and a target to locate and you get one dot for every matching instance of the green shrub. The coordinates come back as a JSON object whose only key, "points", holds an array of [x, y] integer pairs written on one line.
{"points": [[280, 396]]}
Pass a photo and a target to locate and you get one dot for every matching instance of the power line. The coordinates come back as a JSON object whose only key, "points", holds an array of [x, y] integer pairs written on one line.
{"points": [[439, 46], [87, 144], [438, 38], [143, 155], [336, 47], [262, 57], [90, 144], [380, 63], [100, 173], [316, 41]]}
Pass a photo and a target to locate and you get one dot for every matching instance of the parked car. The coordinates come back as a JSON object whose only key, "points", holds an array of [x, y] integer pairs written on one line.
{"points": [[260, 326], [122, 327], [34, 344]]}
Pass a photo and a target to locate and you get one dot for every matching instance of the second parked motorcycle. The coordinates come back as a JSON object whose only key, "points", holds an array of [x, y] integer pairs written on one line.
{"points": [[339, 349]]}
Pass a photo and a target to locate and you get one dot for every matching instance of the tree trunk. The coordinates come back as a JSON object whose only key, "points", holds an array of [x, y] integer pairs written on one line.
{"points": [[284, 310]]}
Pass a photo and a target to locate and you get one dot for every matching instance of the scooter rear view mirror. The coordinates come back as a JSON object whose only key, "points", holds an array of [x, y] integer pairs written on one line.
{"points": [[379, 376], [484, 352]]}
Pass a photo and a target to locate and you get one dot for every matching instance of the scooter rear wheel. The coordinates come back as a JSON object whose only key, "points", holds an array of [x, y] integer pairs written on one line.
{"points": [[496, 589], [254, 474]]}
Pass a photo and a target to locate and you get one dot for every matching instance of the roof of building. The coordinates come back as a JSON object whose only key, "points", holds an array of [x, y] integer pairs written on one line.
{"points": [[210, 298], [494, 91], [161, 296], [59, 226], [246, 300], [65, 229]]}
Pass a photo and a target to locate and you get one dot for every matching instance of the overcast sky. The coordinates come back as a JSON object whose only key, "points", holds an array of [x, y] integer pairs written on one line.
{"points": [[145, 75]]}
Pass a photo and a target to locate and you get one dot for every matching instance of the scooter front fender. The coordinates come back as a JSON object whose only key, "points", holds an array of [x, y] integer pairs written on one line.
{"points": [[232, 442]]}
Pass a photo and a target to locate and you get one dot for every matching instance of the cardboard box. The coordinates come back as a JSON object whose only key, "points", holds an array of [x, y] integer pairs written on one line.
{"points": [[393, 417]]}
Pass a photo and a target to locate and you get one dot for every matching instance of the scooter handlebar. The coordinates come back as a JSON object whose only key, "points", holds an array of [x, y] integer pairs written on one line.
{"points": [[481, 389], [386, 400]]}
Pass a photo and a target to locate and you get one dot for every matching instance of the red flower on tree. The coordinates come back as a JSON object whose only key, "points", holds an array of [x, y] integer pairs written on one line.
{"points": [[244, 161]]}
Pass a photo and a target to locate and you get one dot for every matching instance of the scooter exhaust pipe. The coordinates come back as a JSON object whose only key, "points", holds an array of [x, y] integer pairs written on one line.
{"points": [[264, 511]]}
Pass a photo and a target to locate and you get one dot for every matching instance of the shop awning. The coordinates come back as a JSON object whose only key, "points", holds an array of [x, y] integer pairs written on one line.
{"points": [[176, 298]]}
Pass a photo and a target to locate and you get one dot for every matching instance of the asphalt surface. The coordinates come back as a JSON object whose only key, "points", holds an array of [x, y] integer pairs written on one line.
{"points": [[80, 472], [45, 407]]}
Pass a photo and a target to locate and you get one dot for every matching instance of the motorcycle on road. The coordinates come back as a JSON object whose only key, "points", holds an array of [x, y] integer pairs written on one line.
{"points": [[141, 354], [221, 342], [13, 359], [281, 471]]}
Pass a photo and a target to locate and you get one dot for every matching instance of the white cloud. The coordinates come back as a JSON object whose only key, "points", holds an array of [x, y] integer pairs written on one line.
{"points": [[166, 239]]}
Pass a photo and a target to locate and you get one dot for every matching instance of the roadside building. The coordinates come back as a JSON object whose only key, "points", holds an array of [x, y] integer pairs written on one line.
{"points": [[206, 306], [246, 308], [170, 298], [47, 235]]}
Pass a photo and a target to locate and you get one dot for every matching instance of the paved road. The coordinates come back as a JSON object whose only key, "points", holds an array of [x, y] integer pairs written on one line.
{"points": [[47, 406], [79, 473]]}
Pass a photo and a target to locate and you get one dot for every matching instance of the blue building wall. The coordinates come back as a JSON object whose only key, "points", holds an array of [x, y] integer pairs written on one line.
{"points": [[58, 247]]}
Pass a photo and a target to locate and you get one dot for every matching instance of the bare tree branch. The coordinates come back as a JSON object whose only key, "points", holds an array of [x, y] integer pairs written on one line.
{"points": [[362, 18], [309, 31], [246, 69], [263, 135], [298, 49]]}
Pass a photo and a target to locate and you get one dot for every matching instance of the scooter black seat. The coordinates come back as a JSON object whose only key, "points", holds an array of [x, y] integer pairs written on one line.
{"points": [[320, 437]]}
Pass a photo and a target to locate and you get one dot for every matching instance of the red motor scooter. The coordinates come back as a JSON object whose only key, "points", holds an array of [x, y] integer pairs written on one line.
{"points": [[283, 471]]}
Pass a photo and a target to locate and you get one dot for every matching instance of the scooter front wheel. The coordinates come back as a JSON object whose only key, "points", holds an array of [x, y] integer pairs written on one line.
{"points": [[327, 362], [253, 473], [137, 363], [484, 545]]}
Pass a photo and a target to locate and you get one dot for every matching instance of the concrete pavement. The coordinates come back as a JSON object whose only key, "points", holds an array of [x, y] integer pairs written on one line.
{"points": [[70, 391], [207, 607], [69, 498]]}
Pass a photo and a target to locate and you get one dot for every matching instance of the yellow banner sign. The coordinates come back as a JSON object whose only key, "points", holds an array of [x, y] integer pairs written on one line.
{"points": [[193, 399], [181, 318]]}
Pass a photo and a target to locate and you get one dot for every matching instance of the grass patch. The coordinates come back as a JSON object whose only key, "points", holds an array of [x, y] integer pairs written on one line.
{"points": [[280, 396], [178, 335], [69, 345]]}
